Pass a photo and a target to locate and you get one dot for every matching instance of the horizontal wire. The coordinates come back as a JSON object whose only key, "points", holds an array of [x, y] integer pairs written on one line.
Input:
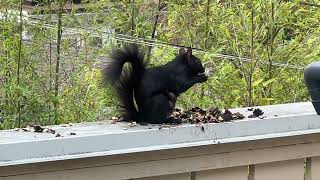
{"points": [[157, 43]]}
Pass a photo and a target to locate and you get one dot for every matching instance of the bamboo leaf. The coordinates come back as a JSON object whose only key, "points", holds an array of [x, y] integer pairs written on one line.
{"points": [[268, 82], [257, 82]]}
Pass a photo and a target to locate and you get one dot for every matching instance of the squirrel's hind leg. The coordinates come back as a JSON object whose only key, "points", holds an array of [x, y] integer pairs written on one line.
{"points": [[156, 109]]}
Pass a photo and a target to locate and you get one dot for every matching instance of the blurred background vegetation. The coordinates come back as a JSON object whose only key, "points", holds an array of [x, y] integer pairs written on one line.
{"points": [[51, 52]]}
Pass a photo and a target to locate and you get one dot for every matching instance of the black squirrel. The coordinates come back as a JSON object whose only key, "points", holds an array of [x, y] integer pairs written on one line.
{"points": [[153, 89]]}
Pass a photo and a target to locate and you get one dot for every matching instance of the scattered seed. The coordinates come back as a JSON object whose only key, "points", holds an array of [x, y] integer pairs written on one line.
{"points": [[239, 115], [50, 131], [197, 115], [258, 112], [38, 128], [227, 116], [25, 129], [132, 124]]}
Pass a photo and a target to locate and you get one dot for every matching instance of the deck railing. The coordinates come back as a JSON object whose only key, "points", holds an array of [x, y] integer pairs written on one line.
{"points": [[285, 145]]}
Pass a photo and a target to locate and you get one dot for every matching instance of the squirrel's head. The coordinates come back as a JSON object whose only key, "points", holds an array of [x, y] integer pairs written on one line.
{"points": [[192, 61]]}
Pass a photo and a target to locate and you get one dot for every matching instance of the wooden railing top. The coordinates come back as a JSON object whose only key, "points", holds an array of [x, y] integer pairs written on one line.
{"points": [[102, 139]]}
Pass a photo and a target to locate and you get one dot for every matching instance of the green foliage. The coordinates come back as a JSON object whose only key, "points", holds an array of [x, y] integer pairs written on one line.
{"points": [[263, 31]]}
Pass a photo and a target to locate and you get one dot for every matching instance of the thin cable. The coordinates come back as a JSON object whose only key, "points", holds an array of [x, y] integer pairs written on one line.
{"points": [[157, 43]]}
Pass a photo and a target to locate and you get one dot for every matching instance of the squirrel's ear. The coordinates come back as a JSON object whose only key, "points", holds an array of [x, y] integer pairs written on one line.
{"points": [[181, 51], [189, 51]]}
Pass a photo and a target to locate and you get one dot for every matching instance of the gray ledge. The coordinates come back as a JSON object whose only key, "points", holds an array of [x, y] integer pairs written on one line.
{"points": [[105, 139]]}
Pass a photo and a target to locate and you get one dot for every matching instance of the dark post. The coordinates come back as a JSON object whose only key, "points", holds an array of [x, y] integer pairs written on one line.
{"points": [[312, 80]]}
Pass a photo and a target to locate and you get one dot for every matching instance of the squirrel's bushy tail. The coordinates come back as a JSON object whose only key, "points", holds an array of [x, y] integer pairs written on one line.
{"points": [[124, 79]]}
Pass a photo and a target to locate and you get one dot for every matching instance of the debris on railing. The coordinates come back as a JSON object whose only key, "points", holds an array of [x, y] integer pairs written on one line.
{"points": [[36, 129], [256, 113], [39, 129], [197, 115]]}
